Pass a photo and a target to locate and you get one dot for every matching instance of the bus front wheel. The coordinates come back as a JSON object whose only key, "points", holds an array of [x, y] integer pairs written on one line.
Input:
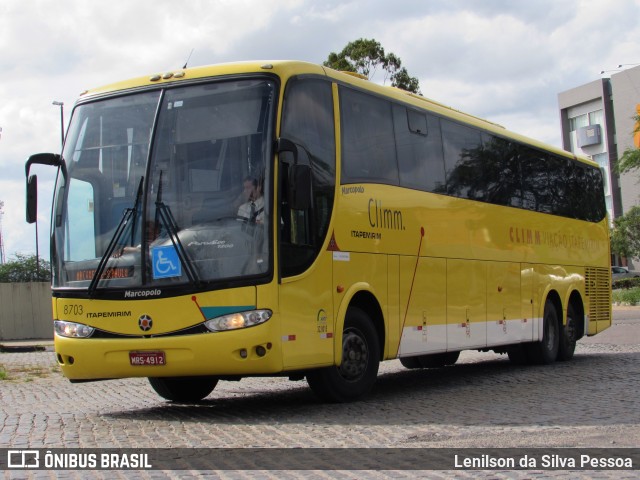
{"points": [[360, 360], [183, 389]]}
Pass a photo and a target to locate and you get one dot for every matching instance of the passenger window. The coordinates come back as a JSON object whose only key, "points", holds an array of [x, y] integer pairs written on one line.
{"points": [[500, 173], [368, 144], [463, 162], [536, 194], [419, 149]]}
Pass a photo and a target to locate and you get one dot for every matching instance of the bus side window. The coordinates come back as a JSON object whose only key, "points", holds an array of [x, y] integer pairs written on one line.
{"points": [[500, 172], [419, 149], [536, 191], [462, 147], [368, 143]]}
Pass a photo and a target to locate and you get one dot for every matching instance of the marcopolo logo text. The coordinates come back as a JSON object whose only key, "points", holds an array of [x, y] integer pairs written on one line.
{"points": [[142, 293]]}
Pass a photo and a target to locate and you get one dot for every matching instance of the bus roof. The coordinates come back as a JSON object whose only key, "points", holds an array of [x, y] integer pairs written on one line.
{"points": [[288, 68]]}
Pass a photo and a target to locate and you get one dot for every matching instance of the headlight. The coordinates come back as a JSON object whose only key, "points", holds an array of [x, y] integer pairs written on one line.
{"points": [[72, 330], [238, 320]]}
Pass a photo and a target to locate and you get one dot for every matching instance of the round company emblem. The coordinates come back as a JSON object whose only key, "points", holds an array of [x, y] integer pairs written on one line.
{"points": [[145, 323]]}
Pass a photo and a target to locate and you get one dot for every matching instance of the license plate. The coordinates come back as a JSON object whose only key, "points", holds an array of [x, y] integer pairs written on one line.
{"points": [[146, 359]]}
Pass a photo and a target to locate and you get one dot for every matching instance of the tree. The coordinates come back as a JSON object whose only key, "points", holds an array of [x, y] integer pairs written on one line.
{"points": [[25, 268], [630, 159], [625, 236], [365, 56]]}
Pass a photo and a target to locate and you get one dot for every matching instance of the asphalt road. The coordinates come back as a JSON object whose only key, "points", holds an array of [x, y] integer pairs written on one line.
{"points": [[481, 402]]}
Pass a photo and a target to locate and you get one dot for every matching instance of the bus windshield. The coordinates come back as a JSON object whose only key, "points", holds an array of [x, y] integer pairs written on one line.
{"points": [[166, 188]]}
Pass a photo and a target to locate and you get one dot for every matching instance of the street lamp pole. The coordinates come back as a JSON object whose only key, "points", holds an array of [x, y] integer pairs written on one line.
{"points": [[61, 105]]}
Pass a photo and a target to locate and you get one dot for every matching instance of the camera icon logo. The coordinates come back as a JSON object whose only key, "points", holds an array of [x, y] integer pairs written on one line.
{"points": [[23, 459]]}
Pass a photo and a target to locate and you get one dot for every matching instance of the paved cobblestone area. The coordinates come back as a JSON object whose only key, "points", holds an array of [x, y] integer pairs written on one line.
{"points": [[483, 401]]}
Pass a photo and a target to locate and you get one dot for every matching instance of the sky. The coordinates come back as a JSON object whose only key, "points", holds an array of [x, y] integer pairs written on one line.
{"points": [[503, 60]]}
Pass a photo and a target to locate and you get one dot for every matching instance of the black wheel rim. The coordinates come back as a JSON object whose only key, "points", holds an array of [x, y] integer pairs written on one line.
{"points": [[355, 356]]}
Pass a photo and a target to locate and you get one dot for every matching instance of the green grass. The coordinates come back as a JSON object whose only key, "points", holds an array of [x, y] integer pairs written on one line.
{"points": [[627, 297], [25, 373]]}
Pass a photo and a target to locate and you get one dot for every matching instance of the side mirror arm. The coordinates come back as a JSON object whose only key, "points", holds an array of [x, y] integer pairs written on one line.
{"points": [[52, 159]]}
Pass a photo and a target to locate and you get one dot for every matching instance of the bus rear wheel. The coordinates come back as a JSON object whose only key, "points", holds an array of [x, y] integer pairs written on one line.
{"points": [[360, 361], [183, 389], [546, 350], [568, 336]]}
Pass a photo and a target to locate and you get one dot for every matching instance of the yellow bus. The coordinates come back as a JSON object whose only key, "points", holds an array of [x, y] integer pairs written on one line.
{"points": [[285, 219]]}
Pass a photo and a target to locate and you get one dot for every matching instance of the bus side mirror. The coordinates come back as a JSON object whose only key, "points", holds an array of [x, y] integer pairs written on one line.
{"points": [[32, 198], [51, 159]]}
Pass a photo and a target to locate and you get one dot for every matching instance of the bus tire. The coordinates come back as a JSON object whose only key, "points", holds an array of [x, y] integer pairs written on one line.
{"points": [[568, 336], [183, 389], [545, 351], [437, 360], [360, 361], [410, 362]]}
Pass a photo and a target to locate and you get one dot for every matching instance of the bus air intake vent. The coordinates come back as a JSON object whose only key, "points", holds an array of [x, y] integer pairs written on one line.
{"points": [[598, 290]]}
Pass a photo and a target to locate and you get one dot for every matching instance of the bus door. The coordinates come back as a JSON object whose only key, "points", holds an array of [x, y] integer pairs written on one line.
{"points": [[306, 268], [306, 307]]}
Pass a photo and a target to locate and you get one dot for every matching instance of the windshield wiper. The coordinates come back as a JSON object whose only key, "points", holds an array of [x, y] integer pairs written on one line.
{"points": [[125, 221], [166, 218]]}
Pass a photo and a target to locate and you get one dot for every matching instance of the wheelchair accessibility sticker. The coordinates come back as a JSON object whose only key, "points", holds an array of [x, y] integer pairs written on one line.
{"points": [[166, 263]]}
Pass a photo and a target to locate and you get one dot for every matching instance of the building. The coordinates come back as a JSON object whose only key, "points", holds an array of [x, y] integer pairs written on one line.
{"points": [[597, 120], [626, 103]]}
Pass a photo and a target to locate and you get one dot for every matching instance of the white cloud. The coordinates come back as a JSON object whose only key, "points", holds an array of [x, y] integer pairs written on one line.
{"points": [[507, 60]]}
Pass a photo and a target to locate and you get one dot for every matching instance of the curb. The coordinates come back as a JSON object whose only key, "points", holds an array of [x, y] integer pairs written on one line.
{"points": [[22, 348]]}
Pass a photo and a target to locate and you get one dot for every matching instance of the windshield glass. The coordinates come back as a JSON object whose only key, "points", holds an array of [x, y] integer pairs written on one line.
{"points": [[187, 207]]}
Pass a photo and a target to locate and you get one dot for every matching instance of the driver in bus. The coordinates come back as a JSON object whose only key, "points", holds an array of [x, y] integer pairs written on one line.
{"points": [[252, 210]]}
